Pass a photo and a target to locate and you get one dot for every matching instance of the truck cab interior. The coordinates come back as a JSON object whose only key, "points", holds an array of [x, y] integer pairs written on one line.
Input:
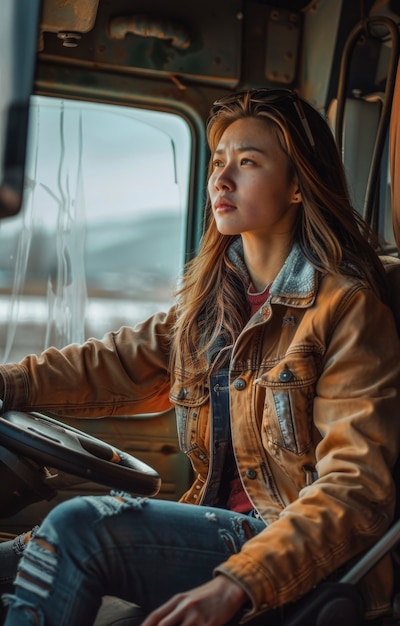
{"points": [[103, 167]]}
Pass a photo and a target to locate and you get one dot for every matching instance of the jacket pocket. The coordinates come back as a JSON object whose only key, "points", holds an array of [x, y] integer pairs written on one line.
{"points": [[188, 402], [287, 420]]}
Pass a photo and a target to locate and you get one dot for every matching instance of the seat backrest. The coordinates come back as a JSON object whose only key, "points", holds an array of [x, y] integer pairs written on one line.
{"points": [[392, 267], [395, 159], [358, 146]]}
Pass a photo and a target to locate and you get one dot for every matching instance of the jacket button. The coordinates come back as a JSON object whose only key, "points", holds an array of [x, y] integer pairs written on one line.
{"points": [[182, 393], [251, 473], [285, 375], [239, 384]]}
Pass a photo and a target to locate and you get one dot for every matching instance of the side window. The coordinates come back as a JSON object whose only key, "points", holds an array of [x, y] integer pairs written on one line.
{"points": [[100, 240]]}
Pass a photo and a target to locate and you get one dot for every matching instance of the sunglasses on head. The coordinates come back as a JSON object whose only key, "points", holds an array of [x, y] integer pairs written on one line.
{"points": [[269, 96]]}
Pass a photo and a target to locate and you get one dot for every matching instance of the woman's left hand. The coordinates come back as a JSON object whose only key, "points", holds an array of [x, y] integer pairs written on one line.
{"points": [[211, 604]]}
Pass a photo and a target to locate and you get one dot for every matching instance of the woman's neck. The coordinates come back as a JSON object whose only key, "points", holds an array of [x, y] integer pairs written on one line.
{"points": [[264, 260]]}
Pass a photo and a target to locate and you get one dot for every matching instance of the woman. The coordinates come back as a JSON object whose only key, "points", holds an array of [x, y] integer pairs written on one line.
{"points": [[286, 397]]}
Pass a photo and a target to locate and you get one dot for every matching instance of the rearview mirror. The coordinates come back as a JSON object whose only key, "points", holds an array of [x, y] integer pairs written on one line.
{"points": [[19, 21]]}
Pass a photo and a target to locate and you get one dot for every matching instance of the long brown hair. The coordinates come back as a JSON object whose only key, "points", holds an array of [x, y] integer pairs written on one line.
{"points": [[211, 301]]}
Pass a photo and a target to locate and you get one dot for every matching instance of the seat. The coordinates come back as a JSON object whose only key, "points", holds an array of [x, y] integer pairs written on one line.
{"points": [[392, 267]]}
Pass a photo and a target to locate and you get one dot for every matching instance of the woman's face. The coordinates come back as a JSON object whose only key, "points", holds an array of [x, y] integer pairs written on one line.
{"points": [[251, 188]]}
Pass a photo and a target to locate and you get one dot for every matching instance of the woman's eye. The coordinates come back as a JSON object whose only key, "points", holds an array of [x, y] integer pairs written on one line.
{"points": [[247, 161], [217, 163]]}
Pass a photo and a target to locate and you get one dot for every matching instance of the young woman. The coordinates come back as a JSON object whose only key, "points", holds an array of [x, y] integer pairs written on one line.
{"points": [[287, 399]]}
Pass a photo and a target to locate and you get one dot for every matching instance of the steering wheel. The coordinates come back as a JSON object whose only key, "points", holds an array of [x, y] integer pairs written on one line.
{"points": [[50, 442]]}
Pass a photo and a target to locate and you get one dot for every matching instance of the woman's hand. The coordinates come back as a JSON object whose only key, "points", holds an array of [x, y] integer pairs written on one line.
{"points": [[211, 604]]}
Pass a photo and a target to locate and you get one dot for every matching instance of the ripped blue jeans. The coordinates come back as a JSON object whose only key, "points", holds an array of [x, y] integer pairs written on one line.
{"points": [[138, 549], [143, 551]]}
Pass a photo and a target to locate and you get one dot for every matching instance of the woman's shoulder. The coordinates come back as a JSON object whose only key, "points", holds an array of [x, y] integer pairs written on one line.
{"points": [[349, 294]]}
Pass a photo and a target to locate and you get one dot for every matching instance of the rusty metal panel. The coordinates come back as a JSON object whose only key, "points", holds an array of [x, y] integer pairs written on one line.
{"points": [[201, 41], [282, 45]]}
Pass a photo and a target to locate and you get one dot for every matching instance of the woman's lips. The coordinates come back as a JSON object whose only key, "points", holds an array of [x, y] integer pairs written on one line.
{"points": [[221, 206]]}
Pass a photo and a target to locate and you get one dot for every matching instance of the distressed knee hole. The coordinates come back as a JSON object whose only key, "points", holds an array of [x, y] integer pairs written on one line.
{"points": [[37, 568], [115, 503], [235, 537], [45, 545], [119, 499]]}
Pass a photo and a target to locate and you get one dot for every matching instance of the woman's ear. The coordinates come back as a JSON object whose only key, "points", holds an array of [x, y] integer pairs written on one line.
{"points": [[296, 197]]}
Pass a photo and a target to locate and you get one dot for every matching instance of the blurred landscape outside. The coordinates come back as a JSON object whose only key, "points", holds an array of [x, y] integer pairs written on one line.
{"points": [[99, 242]]}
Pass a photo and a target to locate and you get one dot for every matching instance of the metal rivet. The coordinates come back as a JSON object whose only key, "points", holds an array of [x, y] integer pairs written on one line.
{"points": [[285, 375], [70, 40], [239, 384], [182, 393]]}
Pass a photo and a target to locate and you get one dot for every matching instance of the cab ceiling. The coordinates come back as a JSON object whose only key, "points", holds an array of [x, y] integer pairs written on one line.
{"points": [[219, 45], [200, 42]]}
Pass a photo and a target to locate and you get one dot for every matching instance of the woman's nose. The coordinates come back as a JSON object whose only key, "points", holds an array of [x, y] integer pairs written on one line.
{"points": [[224, 179]]}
